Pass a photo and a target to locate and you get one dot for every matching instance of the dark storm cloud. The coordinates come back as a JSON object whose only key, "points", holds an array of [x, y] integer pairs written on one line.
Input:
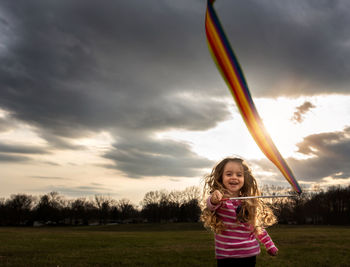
{"points": [[58, 141], [298, 115], [13, 153], [289, 47], [153, 157], [74, 68], [96, 65], [330, 153], [21, 149], [6, 158]]}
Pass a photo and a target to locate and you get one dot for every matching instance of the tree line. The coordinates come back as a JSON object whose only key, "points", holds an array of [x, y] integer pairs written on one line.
{"points": [[318, 207], [54, 209]]}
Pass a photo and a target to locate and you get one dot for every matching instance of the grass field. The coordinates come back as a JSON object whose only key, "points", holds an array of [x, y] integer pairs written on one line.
{"points": [[163, 245]]}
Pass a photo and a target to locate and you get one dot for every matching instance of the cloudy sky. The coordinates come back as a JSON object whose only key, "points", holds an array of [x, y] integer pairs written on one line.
{"points": [[122, 97]]}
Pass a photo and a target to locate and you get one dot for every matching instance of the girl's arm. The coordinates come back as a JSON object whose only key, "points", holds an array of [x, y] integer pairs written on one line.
{"points": [[268, 243]]}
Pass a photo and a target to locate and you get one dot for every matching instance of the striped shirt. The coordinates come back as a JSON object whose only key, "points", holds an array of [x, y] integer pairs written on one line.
{"points": [[238, 239]]}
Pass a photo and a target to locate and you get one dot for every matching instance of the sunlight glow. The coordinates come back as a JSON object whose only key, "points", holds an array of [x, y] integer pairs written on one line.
{"points": [[101, 141], [231, 137], [3, 113], [20, 133]]}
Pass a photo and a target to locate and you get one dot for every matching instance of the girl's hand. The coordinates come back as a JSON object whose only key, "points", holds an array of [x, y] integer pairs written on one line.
{"points": [[216, 197], [273, 251]]}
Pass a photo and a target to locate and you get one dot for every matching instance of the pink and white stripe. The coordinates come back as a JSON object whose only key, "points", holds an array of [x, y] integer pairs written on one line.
{"points": [[238, 240]]}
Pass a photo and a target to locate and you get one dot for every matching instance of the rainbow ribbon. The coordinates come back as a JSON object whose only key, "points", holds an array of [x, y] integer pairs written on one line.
{"points": [[232, 73]]}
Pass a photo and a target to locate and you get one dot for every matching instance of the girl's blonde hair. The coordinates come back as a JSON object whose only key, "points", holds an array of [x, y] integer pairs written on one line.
{"points": [[253, 211]]}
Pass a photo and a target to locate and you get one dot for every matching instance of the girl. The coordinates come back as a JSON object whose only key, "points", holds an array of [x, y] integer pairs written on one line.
{"points": [[237, 224]]}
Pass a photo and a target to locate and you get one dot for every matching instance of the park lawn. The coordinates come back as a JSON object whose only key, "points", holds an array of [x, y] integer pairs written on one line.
{"points": [[309, 246], [177, 244]]}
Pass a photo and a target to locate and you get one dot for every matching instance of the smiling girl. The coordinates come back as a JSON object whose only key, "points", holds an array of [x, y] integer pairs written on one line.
{"points": [[237, 224]]}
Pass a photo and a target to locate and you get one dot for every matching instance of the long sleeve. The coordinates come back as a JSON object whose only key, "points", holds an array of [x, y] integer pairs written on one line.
{"points": [[210, 206], [267, 241]]}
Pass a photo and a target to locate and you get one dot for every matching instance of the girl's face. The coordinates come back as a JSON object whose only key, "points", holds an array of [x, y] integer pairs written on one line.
{"points": [[233, 177]]}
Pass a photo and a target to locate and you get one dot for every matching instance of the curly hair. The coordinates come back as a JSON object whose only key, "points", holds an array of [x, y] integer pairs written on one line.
{"points": [[253, 211]]}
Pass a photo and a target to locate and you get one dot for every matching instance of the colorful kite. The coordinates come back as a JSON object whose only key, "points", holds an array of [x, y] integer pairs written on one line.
{"points": [[232, 73]]}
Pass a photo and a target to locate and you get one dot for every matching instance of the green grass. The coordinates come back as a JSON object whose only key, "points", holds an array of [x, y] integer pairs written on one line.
{"points": [[163, 245], [309, 246]]}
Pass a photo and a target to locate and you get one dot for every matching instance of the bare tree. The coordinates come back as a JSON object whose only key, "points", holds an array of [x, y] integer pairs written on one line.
{"points": [[128, 211], [81, 211], [49, 208], [18, 209], [190, 193], [104, 205]]}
